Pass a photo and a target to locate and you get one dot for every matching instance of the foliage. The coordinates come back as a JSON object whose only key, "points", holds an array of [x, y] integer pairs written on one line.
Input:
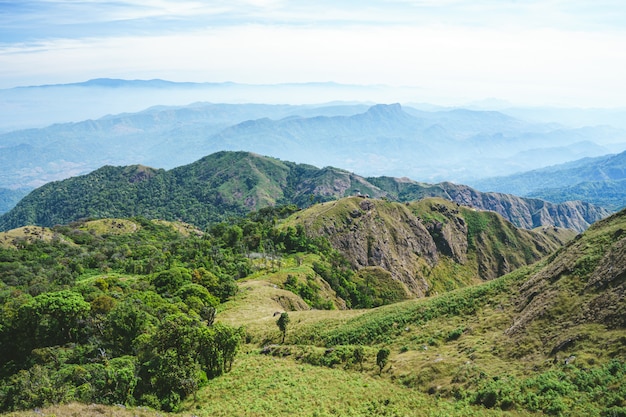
{"points": [[124, 310], [282, 323], [567, 391], [382, 357], [377, 287], [379, 325], [114, 316]]}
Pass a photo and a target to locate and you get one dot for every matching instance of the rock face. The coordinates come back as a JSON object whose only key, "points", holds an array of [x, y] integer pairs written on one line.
{"points": [[527, 213], [450, 237], [428, 245]]}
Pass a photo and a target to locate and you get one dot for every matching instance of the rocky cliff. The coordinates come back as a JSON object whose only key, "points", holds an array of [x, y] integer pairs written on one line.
{"points": [[430, 246]]}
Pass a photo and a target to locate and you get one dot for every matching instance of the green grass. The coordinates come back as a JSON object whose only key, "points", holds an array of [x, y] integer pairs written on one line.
{"points": [[262, 386]]}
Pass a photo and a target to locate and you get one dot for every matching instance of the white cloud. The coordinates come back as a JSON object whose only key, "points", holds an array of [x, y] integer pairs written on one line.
{"points": [[533, 51]]}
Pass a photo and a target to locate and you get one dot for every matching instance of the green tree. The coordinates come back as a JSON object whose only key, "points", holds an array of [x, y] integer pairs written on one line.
{"points": [[382, 357], [169, 281], [53, 318], [359, 355], [124, 323], [282, 323], [121, 379]]}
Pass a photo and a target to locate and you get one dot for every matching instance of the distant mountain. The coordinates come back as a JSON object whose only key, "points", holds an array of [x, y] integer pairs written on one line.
{"points": [[522, 212], [430, 146], [391, 140], [38, 106], [234, 183], [9, 198], [162, 136], [600, 180]]}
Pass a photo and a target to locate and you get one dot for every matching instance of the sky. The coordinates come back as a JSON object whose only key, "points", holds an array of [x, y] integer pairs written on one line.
{"points": [[527, 52]]}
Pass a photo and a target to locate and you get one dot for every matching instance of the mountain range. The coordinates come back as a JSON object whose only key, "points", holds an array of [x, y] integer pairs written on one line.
{"points": [[544, 338], [444, 145], [234, 183], [600, 180], [232, 284]]}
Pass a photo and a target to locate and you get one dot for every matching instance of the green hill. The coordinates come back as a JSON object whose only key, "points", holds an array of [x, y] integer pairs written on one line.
{"points": [[545, 339], [431, 245], [599, 180], [234, 183]]}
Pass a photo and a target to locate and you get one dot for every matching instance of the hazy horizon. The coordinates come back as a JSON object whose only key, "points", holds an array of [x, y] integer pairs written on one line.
{"points": [[452, 52]]}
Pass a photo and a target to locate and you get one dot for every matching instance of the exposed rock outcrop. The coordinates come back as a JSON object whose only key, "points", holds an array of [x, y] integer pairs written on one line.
{"points": [[428, 245]]}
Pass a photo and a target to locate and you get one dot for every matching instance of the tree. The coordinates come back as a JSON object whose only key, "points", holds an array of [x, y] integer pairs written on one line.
{"points": [[382, 357], [53, 318], [359, 355], [169, 281], [282, 323]]}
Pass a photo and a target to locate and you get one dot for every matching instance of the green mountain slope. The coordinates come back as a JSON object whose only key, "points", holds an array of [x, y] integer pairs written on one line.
{"points": [[549, 338], [430, 246], [233, 183]]}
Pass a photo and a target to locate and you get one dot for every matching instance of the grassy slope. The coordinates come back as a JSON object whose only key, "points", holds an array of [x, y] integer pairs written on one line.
{"points": [[448, 344]]}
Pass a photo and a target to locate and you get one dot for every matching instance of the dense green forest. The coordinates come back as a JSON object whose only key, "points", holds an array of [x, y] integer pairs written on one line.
{"points": [[123, 311]]}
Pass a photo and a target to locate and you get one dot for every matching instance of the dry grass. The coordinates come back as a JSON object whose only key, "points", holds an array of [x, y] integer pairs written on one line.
{"points": [[257, 303], [110, 226], [29, 233], [87, 410]]}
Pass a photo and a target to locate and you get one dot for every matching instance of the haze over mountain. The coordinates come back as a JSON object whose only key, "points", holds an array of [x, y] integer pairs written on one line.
{"points": [[600, 180], [372, 140], [39, 106]]}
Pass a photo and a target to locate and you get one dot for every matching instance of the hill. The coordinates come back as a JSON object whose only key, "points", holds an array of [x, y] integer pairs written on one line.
{"points": [[600, 181], [430, 246], [234, 183], [527, 213], [548, 338]]}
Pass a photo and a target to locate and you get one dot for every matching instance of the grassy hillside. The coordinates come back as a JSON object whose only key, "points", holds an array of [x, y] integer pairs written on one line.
{"points": [[546, 338]]}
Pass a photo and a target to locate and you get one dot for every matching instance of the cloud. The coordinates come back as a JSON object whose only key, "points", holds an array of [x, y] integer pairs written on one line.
{"points": [[530, 51]]}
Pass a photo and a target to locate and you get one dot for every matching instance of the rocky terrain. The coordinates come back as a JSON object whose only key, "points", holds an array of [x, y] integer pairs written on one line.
{"points": [[422, 242]]}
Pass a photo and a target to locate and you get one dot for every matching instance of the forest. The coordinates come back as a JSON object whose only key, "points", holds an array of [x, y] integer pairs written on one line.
{"points": [[123, 311]]}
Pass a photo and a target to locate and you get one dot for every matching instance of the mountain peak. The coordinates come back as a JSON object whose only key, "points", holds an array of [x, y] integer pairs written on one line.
{"points": [[386, 109]]}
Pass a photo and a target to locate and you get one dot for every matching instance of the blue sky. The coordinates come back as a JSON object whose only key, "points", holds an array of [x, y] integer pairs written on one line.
{"points": [[553, 52]]}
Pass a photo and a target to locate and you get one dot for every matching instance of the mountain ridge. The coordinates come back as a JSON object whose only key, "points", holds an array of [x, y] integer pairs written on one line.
{"points": [[598, 180], [383, 139], [233, 183], [421, 242]]}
